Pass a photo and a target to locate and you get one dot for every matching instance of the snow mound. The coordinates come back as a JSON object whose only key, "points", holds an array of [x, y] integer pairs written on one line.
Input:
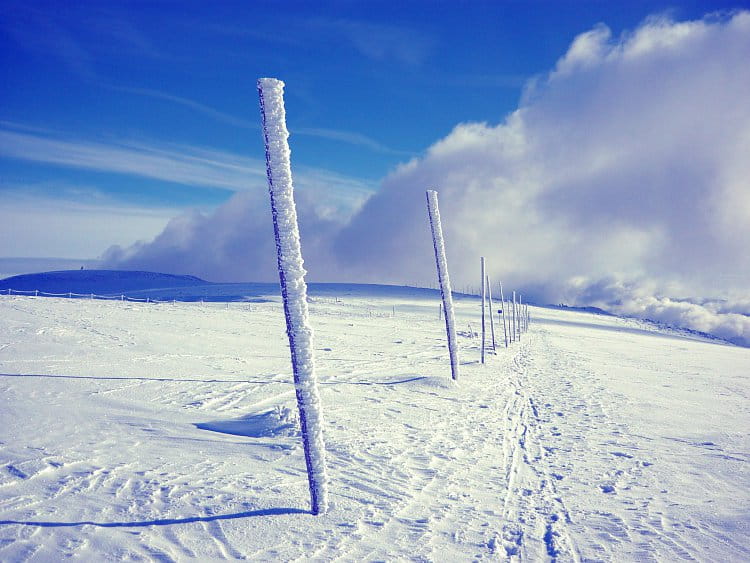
{"points": [[97, 281], [281, 421]]}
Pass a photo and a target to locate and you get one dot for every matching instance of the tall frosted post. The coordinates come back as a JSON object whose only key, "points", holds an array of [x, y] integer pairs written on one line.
{"points": [[492, 320], [513, 319], [504, 310], [484, 301], [445, 283], [293, 286]]}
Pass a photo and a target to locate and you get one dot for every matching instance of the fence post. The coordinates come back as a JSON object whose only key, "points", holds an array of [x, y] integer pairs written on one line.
{"points": [[293, 286], [492, 320], [513, 318], [484, 306], [441, 261], [505, 324]]}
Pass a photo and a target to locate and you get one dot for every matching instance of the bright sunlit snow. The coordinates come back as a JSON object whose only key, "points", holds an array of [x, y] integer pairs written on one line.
{"points": [[167, 431]]}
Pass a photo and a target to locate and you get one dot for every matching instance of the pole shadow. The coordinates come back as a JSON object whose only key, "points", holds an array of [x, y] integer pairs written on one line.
{"points": [[136, 378], [161, 522]]}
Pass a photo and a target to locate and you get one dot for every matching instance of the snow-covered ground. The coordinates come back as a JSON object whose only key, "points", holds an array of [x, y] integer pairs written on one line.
{"points": [[134, 431]]}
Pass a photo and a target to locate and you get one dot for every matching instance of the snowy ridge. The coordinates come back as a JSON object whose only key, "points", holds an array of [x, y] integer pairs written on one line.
{"points": [[107, 282]]}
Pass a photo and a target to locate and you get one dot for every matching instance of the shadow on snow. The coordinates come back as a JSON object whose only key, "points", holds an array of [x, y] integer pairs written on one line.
{"points": [[161, 522]]}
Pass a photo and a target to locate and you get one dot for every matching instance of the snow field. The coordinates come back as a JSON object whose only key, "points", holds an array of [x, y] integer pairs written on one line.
{"points": [[591, 439]]}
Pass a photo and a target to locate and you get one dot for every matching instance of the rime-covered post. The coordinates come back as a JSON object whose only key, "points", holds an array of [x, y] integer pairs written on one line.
{"points": [[445, 283], [492, 320], [505, 324], [513, 318], [484, 301], [293, 286]]}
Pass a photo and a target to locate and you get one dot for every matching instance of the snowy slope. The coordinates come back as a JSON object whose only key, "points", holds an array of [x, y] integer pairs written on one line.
{"points": [[104, 282], [166, 432]]}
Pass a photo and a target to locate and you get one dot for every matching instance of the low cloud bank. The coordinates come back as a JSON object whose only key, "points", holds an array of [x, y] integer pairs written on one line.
{"points": [[625, 168], [728, 318]]}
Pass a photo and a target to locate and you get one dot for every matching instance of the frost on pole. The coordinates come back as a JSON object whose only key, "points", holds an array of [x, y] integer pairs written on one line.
{"points": [[505, 324], [293, 286], [484, 301], [492, 321], [444, 279]]}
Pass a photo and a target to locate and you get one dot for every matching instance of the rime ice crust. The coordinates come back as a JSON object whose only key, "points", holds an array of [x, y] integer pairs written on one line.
{"points": [[444, 278], [293, 286]]}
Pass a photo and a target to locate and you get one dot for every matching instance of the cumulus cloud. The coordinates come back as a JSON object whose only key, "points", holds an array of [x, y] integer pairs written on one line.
{"points": [[625, 166], [235, 242]]}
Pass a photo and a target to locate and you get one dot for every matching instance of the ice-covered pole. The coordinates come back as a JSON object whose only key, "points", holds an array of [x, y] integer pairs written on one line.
{"points": [[505, 324], [484, 302], [293, 286], [492, 319], [445, 283], [513, 318]]}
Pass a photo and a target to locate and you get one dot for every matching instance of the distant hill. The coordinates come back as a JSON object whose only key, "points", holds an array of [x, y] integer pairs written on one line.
{"points": [[97, 281]]}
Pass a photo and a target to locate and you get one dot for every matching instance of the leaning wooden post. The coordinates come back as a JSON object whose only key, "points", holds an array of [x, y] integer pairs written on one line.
{"points": [[484, 301], [492, 321], [438, 244], [505, 324], [293, 286]]}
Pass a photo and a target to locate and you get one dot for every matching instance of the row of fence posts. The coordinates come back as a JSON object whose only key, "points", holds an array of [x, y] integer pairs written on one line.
{"points": [[294, 289], [515, 314], [513, 326], [92, 296]]}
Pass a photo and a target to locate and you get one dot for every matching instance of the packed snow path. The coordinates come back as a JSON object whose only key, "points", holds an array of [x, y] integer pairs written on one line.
{"points": [[142, 432]]}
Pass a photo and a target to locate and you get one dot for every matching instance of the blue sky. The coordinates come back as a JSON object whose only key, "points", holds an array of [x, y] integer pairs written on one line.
{"points": [[116, 116]]}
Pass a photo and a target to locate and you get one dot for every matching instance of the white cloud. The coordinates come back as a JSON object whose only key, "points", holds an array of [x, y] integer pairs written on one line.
{"points": [[72, 230], [629, 160], [233, 243], [621, 177]]}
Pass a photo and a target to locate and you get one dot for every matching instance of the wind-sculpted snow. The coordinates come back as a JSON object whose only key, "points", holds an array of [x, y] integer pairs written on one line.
{"points": [[594, 438]]}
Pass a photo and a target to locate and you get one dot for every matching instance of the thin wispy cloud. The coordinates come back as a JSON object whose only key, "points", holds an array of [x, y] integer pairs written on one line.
{"points": [[188, 103], [379, 42], [349, 137], [181, 164], [42, 32]]}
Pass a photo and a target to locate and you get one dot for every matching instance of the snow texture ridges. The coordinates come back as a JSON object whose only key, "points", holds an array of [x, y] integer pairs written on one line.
{"points": [[293, 286]]}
